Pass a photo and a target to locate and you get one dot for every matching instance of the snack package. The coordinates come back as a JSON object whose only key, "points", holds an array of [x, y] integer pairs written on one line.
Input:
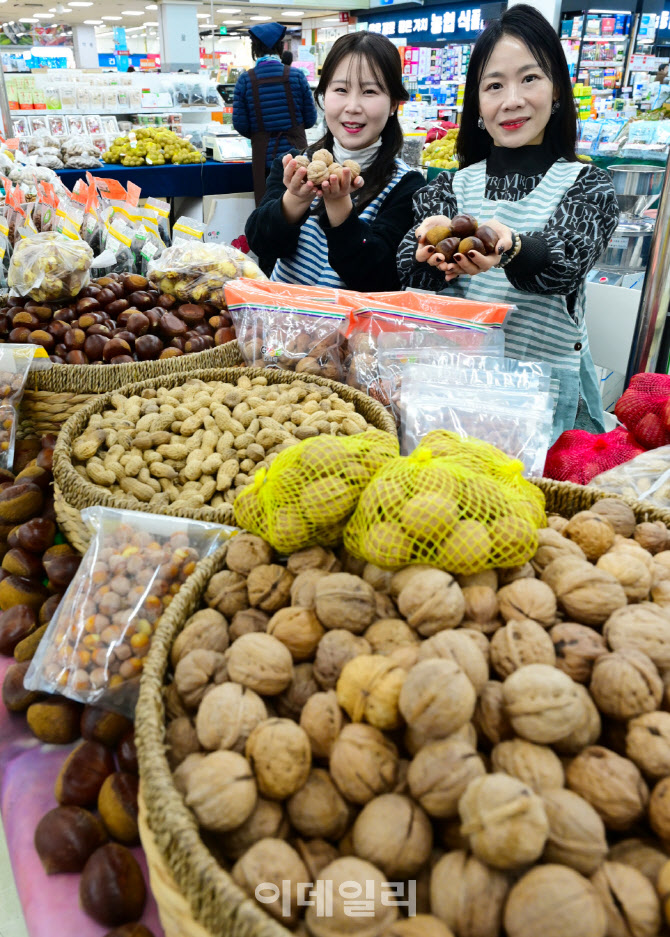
{"points": [[188, 229], [311, 489], [588, 140], [458, 504], [510, 410], [49, 267], [95, 645], [162, 211], [609, 141], [639, 144], [645, 478], [196, 273], [83, 97], [76, 124], [57, 126], [119, 238], [305, 337], [94, 124], [15, 362]]}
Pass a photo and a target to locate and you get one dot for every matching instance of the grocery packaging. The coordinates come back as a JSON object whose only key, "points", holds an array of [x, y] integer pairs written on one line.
{"points": [[577, 455], [95, 645], [643, 409], [310, 490], [15, 362], [49, 266], [645, 477], [196, 272], [153, 147]]}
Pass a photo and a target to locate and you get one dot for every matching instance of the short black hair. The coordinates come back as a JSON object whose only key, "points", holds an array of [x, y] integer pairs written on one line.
{"points": [[259, 48], [287, 58], [530, 27]]}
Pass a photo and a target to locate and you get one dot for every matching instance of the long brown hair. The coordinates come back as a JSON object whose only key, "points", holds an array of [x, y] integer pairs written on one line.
{"points": [[383, 60]]}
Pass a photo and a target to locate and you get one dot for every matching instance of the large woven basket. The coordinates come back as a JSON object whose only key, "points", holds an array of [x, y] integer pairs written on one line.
{"points": [[196, 897], [51, 397], [72, 493]]}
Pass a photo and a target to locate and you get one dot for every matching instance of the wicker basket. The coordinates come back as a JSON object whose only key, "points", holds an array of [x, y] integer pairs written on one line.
{"points": [[72, 493], [51, 397], [195, 896]]}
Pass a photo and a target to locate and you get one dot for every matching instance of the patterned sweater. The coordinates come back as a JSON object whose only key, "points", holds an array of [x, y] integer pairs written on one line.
{"points": [[555, 260]]}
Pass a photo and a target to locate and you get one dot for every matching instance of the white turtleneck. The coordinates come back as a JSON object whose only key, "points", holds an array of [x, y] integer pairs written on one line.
{"points": [[364, 157]]}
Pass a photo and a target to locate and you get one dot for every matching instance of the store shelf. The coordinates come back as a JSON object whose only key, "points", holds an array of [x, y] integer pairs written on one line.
{"points": [[603, 64], [32, 112]]}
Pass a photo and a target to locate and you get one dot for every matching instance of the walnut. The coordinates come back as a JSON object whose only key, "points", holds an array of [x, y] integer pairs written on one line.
{"points": [[334, 650], [557, 522], [345, 601], [266, 820], [535, 765], [420, 925], [317, 172], [648, 743], [440, 772], [652, 535], [487, 578], [344, 871], [585, 593], [588, 730], [437, 698], [298, 629], [227, 715], [512, 574], [553, 900], [642, 854], [207, 629], [181, 740], [528, 598], [431, 601], [403, 577], [303, 589], [269, 587], [457, 883], [632, 548], [618, 513], [551, 545], [630, 901], [625, 684], [660, 593], [577, 648], [504, 820], [395, 834], [645, 627], [660, 567], [351, 564], [302, 687], [245, 552], [592, 532], [246, 622], [611, 784], [322, 719], [415, 740], [275, 862], [316, 854], [576, 832], [633, 574], [363, 763], [173, 703], [318, 808], [542, 703], [221, 791], [324, 156], [461, 646], [260, 662], [385, 607], [379, 579], [369, 688], [388, 634], [196, 673], [520, 643], [182, 772], [312, 558], [490, 716], [659, 809], [280, 755], [227, 593], [481, 607]]}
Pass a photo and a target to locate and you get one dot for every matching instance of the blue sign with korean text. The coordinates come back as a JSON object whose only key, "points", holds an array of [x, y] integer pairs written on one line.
{"points": [[453, 23]]}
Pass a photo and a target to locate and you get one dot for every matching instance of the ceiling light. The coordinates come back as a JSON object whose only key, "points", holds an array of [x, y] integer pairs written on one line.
{"points": [[28, 19], [202, 16], [233, 22], [259, 19], [132, 13], [44, 16], [112, 19], [291, 13], [80, 3], [231, 10], [92, 22], [151, 23]]}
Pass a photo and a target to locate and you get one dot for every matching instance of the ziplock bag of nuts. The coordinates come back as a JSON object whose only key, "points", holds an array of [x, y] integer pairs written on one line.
{"points": [[646, 478], [15, 362], [512, 410], [49, 267], [94, 648], [293, 335]]}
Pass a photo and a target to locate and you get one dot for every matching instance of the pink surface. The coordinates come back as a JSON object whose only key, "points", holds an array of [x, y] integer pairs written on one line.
{"points": [[28, 771]]}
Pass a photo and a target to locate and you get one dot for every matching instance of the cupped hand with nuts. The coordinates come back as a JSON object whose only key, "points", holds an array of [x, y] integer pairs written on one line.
{"points": [[337, 190], [300, 191], [471, 263]]}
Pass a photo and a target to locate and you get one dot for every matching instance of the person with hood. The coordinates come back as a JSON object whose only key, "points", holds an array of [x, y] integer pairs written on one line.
{"points": [[272, 104]]}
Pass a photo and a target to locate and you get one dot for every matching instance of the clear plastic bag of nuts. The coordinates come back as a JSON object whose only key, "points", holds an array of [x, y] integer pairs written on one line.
{"points": [[49, 267], [94, 648], [15, 362], [646, 478]]}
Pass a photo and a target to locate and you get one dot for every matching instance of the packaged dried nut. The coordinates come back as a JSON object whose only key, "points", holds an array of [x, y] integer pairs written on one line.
{"points": [[611, 784], [535, 765], [543, 704], [587, 594], [554, 900], [576, 832], [457, 883], [96, 643], [648, 743], [577, 647], [15, 363], [631, 902], [625, 684]]}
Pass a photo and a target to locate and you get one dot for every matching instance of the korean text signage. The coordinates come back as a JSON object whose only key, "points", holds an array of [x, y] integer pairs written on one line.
{"points": [[453, 23]]}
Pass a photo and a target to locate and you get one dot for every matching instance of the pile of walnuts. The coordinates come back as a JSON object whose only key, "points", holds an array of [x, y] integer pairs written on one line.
{"points": [[500, 739]]}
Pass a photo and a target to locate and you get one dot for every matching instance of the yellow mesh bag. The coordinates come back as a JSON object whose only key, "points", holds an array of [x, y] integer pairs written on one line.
{"points": [[311, 489], [458, 504]]}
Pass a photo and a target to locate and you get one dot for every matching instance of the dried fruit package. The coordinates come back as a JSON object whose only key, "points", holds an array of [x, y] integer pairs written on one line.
{"points": [[15, 362], [196, 273], [456, 503], [311, 489], [96, 643], [303, 336], [511, 409], [645, 477], [49, 267]]}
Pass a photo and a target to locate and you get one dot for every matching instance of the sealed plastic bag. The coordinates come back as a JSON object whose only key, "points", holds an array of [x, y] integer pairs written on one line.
{"points": [[457, 504], [193, 272], [95, 645], [578, 456], [646, 477], [311, 489], [15, 361], [49, 267]]}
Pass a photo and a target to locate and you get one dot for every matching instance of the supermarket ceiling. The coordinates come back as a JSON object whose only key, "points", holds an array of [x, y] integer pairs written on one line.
{"points": [[137, 16]]}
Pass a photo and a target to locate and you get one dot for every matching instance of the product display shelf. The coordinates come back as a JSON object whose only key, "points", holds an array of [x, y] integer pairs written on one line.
{"points": [[37, 112], [190, 180]]}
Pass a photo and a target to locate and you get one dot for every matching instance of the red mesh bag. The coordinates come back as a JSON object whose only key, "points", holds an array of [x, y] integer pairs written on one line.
{"points": [[578, 456], [644, 409]]}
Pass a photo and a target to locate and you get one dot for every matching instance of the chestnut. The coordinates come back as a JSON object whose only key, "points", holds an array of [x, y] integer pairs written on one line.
{"points": [[45, 459], [140, 299], [61, 562], [91, 290], [448, 247], [4, 322], [133, 282], [74, 339], [104, 726], [191, 313], [125, 335], [66, 837], [40, 337], [15, 301], [170, 353], [122, 318], [86, 305], [179, 341], [130, 930], [48, 609], [27, 319], [49, 441], [154, 315], [148, 347], [194, 344], [114, 347], [171, 326], [488, 237], [60, 349], [154, 293], [116, 307], [106, 296], [65, 315], [166, 301], [126, 753], [463, 226], [43, 313], [88, 319], [20, 335], [138, 324], [117, 806], [203, 328], [99, 328], [16, 624], [223, 336], [59, 330], [56, 359], [112, 889], [36, 535], [83, 774], [14, 695], [18, 562], [36, 475], [105, 281], [117, 289], [471, 243], [122, 359]]}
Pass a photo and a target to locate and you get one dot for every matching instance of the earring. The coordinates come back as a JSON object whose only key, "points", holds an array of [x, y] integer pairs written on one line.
{"points": [[480, 123], [555, 106]]}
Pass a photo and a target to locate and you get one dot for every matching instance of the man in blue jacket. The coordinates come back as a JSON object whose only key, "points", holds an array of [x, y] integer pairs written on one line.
{"points": [[272, 105]]}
